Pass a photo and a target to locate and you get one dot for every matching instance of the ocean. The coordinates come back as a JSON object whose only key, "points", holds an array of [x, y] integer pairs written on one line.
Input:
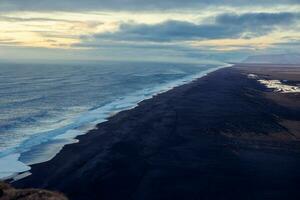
{"points": [[45, 106]]}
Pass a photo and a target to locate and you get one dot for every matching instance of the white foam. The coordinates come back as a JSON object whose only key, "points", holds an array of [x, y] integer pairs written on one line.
{"points": [[11, 165], [21, 176]]}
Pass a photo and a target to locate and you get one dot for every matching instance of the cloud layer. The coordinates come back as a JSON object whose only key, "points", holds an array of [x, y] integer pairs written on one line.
{"points": [[225, 26], [130, 4]]}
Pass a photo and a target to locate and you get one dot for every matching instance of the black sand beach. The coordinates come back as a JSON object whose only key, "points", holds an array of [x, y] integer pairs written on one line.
{"points": [[224, 136]]}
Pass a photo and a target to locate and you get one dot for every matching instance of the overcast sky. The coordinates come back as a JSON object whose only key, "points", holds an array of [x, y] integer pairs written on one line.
{"points": [[157, 30]]}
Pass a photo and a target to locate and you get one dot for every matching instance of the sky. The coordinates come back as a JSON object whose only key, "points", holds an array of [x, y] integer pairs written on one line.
{"points": [[169, 30]]}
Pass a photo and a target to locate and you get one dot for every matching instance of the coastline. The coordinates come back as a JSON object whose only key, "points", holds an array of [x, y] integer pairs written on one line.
{"points": [[50, 150], [208, 138]]}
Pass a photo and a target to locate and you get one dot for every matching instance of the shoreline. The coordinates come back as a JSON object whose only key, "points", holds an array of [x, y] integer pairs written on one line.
{"points": [[70, 139], [220, 136]]}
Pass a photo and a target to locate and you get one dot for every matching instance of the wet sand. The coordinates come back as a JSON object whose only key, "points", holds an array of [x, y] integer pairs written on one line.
{"points": [[224, 136]]}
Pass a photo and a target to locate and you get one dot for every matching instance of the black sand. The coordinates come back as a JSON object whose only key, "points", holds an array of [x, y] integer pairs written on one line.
{"points": [[219, 137]]}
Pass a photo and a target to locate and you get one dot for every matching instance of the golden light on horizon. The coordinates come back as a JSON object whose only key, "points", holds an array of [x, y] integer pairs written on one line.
{"points": [[255, 43], [48, 31]]}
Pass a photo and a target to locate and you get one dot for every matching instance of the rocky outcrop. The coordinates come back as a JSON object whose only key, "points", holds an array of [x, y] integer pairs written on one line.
{"points": [[9, 193]]}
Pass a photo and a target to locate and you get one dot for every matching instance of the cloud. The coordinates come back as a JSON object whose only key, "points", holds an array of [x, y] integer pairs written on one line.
{"points": [[247, 25], [34, 19], [168, 31], [257, 19], [131, 4]]}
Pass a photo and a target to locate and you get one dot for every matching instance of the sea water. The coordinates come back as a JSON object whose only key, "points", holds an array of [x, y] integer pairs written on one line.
{"points": [[45, 106]]}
